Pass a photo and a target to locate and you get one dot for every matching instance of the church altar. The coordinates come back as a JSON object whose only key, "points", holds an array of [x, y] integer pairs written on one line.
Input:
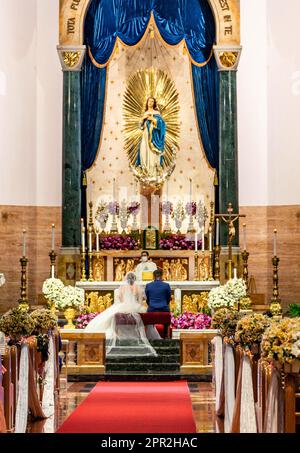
{"points": [[185, 294]]}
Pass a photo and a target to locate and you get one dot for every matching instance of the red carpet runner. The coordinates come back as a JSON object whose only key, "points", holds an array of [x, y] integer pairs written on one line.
{"points": [[134, 407]]}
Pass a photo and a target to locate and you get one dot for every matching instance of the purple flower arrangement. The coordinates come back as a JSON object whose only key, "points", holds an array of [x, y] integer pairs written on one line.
{"points": [[82, 321], [177, 242], [133, 207], [166, 208], [191, 208], [113, 208], [189, 320], [118, 242]]}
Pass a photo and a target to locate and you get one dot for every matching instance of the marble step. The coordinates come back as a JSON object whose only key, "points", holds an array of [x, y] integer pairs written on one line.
{"points": [[160, 359], [144, 367]]}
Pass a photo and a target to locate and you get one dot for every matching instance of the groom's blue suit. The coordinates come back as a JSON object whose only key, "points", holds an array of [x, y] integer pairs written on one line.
{"points": [[158, 296]]}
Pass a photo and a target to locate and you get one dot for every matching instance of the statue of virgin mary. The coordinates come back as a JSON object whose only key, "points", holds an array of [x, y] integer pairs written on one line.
{"points": [[151, 150], [152, 130]]}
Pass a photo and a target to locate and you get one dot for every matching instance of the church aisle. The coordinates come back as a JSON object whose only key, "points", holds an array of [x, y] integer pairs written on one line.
{"points": [[72, 394]]}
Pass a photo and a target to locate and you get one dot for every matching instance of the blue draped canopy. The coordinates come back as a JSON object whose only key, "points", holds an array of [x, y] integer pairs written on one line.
{"points": [[127, 20]]}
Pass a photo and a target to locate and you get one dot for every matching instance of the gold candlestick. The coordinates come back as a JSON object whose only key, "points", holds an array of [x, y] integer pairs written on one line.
{"points": [[217, 262], [82, 261], [210, 266], [196, 270], [23, 301], [90, 260], [245, 256], [275, 305], [53, 256]]}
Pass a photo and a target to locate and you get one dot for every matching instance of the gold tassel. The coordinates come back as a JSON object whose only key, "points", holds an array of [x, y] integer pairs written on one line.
{"points": [[84, 181], [216, 181], [184, 50], [151, 33], [117, 48]]}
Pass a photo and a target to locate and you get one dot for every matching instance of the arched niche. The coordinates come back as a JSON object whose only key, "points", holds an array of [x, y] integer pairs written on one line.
{"points": [[226, 13]]}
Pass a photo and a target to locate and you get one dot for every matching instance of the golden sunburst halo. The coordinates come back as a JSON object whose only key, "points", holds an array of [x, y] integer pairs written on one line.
{"points": [[141, 85]]}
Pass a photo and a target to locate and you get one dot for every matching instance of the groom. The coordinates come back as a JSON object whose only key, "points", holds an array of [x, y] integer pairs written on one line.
{"points": [[158, 293]]}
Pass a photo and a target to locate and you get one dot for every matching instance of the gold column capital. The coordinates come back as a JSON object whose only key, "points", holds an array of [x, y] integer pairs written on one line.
{"points": [[227, 57], [71, 57]]}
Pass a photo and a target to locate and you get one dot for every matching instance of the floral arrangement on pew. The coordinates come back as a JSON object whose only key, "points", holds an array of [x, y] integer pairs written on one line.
{"points": [[227, 295], [226, 321], [250, 330], [177, 242], [44, 323], [281, 342], [188, 320], [17, 324]]}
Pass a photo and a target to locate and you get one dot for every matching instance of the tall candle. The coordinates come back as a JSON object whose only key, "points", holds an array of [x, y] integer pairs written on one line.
{"points": [[83, 239], [53, 237], [52, 271], [114, 189], [24, 242], [244, 237], [196, 242], [97, 241], [202, 239], [210, 241], [235, 273], [217, 231], [275, 242]]}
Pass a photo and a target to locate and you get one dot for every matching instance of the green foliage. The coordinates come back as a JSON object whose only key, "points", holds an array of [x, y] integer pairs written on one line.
{"points": [[293, 310]]}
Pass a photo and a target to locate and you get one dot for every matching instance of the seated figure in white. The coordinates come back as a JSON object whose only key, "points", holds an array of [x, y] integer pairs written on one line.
{"points": [[129, 300], [145, 266]]}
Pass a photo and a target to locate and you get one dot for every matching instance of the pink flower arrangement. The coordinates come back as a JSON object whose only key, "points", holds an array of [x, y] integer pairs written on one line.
{"points": [[83, 320], [177, 242], [113, 208], [191, 208], [133, 207], [118, 242], [189, 320], [166, 207]]}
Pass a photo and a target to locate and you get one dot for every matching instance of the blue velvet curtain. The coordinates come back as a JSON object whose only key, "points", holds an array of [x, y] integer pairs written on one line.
{"points": [[128, 19]]}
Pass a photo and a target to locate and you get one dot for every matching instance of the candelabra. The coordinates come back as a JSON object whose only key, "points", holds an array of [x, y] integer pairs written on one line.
{"points": [[91, 222], [212, 215], [275, 305], [210, 266], [82, 261], [90, 261], [245, 256], [196, 269], [23, 301], [53, 256], [217, 262]]}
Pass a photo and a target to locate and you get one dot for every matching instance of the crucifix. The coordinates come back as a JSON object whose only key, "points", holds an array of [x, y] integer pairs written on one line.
{"points": [[229, 219]]}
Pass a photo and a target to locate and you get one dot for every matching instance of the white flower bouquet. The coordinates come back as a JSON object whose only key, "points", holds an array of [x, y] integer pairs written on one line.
{"points": [[52, 289], [71, 297], [227, 295]]}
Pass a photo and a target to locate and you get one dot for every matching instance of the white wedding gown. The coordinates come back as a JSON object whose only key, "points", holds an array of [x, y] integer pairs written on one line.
{"points": [[129, 300]]}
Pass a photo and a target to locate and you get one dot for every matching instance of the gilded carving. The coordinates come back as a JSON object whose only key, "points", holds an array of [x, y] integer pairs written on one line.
{"points": [[228, 59], [97, 303], [71, 59], [196, 303], [175, 269], [193, 353], [91, 354], [99, 269], [120, 270]]}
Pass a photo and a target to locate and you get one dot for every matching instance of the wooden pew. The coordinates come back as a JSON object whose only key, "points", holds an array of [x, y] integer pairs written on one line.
{"points": [[8, 391]]}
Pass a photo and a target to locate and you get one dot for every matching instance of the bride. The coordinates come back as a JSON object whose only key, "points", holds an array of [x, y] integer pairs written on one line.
{"points": [[129, 301]]}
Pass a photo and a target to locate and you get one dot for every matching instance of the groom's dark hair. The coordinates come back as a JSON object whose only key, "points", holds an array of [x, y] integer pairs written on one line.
{"points": [[157, 274]]}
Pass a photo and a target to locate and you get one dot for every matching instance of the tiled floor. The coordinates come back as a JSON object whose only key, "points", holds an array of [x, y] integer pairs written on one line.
{"points": [[72, 394]]}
